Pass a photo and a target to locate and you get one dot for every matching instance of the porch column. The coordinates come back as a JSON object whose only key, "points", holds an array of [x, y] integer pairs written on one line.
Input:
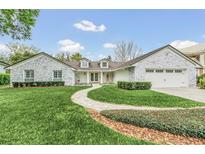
{"points": [[87, 77], [101, 77]]}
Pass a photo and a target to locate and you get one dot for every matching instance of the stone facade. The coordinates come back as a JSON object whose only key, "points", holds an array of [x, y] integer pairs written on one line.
{"points": [[165, 59], [43, 67]]}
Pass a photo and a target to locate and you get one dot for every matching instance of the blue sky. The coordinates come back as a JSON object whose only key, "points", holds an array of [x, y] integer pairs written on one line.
{"points": [[150, 29]]}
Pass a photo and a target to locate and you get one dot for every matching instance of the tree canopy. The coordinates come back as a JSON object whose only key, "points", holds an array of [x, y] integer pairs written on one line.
{"points": [[67, 57], [76, 57], [126, 51], [17, 23], [18, 52]]}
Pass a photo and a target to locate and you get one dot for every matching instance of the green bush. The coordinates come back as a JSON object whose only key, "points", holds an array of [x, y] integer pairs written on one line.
{"points": [[202, 83], [4, 79], [187, 122], [201, 77], [134, 85], [38, 84]]}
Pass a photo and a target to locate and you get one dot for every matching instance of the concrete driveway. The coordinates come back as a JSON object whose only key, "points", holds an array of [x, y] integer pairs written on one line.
{"points": [[189, 93]]}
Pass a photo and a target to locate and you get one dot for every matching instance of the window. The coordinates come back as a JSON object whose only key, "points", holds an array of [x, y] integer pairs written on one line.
{"points": [[84, 64], [29, 75], [104, 64], [169, 71], [178, 71], [149, 70], [57, 75], [159, 70], [94, 77]]}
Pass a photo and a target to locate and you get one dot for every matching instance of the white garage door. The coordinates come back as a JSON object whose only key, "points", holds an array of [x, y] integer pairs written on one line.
{"points": [[167, 77]]}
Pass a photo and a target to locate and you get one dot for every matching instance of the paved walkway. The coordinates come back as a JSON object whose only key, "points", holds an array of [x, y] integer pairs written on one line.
{"points": [[81, 98], [189, 93]]}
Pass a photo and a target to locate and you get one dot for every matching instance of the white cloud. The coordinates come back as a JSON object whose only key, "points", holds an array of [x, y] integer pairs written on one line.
{"points": [[109, 45], [4, 50], [86, 25], [179, 44], [69, 46]]}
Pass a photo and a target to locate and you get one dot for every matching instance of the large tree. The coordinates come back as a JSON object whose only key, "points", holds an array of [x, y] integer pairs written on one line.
{"points": [[17, 23], [125, 51], [76, 57], [19, 52]]}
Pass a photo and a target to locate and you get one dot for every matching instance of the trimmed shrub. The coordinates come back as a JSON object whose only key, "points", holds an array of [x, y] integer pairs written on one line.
{"points": [[4, 79], [202, 83], [134, 85], [189, 123], [198, 78], [38, 84]]}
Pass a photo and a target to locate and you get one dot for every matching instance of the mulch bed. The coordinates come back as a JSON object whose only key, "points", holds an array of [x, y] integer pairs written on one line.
{"points": [[145, 134]]}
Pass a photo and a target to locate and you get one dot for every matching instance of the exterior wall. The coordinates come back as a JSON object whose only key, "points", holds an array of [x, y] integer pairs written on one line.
{"points": [[81, 77], [202, 59], [43, 67], [165, 59], [2, 70], [121, 75], [202, 62], [110, 79]]}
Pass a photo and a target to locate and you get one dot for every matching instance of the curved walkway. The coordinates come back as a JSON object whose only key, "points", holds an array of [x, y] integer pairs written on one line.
{"points": [[81, 98]]}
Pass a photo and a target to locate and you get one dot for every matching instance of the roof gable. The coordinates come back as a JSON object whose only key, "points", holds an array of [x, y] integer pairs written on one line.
{"points": [[36, 55], [142, 57]]}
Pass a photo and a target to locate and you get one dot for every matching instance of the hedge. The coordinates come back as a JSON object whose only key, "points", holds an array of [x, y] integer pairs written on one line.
{"points": [[201, 77], [202, 83], [38, 84], [188, 122], [4, 78], [134, 85]]}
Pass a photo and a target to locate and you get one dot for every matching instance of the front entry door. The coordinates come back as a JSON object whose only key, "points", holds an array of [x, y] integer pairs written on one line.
{"points": [[94, 77]]}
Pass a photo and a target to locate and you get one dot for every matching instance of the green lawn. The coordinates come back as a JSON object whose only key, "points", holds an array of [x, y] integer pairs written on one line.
{"points": [[4, 86], [48, 116], [112, 94], [187, 122]]}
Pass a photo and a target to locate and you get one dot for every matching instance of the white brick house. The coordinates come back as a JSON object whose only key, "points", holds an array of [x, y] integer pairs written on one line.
{"points": [[164, 67]]}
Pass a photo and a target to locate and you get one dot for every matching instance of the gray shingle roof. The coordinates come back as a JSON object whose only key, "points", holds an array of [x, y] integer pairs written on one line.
{"points": [[119, 65], [94, 65]]}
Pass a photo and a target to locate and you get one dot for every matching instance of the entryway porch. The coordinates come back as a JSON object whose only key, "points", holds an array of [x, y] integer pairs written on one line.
{"points": [[90, 77]]}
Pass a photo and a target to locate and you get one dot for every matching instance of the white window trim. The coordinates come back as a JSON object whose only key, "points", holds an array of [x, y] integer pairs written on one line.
{"points": [[171, 70], [149, 69], [57, 79], [82, 65], [24, 75], [176, 70], [101, 64]]}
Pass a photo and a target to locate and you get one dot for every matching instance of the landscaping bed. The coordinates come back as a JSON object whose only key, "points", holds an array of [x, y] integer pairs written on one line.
{"points": [[187, 122], [48, 116], [113, 94]]}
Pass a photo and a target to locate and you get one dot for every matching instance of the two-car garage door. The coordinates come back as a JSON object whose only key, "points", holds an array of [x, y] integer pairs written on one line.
{"points": [[167, 77]]}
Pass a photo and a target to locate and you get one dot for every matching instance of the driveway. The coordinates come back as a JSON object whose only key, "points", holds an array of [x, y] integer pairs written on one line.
{"points": [[194, 94]]}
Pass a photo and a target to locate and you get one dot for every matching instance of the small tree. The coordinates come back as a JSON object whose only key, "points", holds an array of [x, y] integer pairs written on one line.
{"points": [[76, 57], [17, 23], [125, 51]]}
